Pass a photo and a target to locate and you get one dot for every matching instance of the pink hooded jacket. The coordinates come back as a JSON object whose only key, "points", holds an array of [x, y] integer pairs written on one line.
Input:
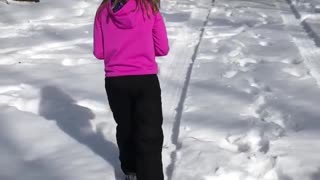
{"points": [[128, 40]]}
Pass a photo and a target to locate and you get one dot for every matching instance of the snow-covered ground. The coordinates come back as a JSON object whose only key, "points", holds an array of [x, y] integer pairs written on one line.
{"points": [[308, 12], [251, 111], [240, 92]]}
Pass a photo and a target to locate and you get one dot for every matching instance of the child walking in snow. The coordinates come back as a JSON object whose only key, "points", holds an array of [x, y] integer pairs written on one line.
{"points": [[128, 35]]}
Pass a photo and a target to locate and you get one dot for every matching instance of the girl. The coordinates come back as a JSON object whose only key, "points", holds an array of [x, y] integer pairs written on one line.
{"points": [[128, 34]]}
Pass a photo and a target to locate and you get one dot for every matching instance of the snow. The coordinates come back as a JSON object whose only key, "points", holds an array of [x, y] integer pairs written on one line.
{"points": [[246, 110], [308, 13], [240, 92]]}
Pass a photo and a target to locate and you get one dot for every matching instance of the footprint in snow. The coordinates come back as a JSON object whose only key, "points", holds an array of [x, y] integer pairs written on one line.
{"points": [[271, 115], [253, 110], [264, 43], [229, 13], [236, 52], [243, 62], [262, 40], [257, 36], [241, 11], [229, 173], [242, 66], [254, 160], [260, 109], [256, 84], [263, 21], [293, 61], [230, 74], [253, 141], [263, 15], [271, 130], [262, 167], [297, 72], [253, 168]]}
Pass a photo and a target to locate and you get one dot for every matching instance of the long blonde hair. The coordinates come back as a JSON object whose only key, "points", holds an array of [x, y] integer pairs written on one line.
{"points": [[155, 4]]}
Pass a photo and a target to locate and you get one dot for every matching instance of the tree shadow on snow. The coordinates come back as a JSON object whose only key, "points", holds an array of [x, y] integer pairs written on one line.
{"points": [[74, 120]]}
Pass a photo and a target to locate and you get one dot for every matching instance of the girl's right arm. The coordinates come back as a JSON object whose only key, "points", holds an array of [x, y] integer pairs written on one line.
{"points": [[160, 38], [98, 51]]}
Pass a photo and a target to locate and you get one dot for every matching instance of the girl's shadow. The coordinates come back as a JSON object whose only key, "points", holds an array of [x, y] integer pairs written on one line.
{"points": [[74, 120]]}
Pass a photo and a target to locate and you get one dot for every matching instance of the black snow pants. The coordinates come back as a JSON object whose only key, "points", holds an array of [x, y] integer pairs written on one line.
{"points": [[136, 105]]}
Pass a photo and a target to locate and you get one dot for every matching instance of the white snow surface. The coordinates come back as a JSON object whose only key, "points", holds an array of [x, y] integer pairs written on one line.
{"points": [[240, 91]]}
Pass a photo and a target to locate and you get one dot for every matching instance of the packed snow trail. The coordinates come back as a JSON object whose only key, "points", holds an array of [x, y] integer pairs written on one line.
{"points": [[185, 24], [251, 109], [179, 109]]}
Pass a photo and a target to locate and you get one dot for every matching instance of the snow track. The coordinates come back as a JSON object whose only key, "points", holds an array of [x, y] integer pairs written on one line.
{"points": [[309, 20], [307, 47], [179, 109]]}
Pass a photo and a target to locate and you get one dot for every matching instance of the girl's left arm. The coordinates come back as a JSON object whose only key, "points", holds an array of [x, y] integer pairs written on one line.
{"points": [[98, 51], [160, 37]]}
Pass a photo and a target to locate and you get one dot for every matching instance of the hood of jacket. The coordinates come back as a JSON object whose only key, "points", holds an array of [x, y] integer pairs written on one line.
{"points": [[125, 18]]}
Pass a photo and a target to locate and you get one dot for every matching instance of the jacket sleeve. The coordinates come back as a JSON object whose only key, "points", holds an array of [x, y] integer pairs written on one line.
{"points": [[98, 39], [160, 38]]}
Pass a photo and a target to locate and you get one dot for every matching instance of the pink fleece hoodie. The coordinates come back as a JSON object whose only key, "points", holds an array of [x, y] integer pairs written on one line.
{"points": [[128, 40]]}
